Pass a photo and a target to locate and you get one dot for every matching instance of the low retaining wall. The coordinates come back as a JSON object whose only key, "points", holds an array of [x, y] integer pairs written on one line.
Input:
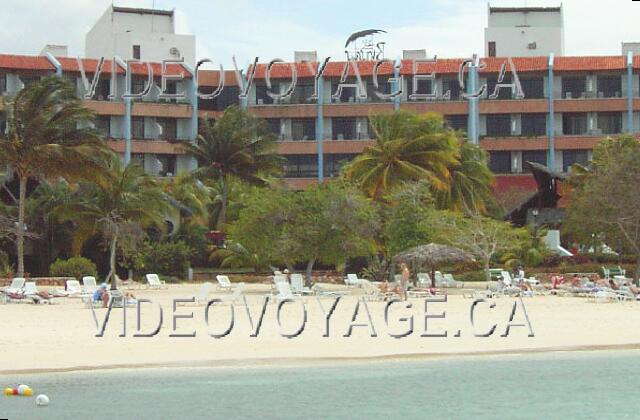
{"points": [[42, 281]]}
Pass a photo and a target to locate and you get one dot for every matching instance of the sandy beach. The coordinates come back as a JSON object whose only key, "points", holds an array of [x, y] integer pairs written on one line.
{"points": [[62, 336]]}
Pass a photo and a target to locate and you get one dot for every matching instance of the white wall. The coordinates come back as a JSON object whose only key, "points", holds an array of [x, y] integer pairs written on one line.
{"points": [[513, 32], [155, 34], [513, 42]]}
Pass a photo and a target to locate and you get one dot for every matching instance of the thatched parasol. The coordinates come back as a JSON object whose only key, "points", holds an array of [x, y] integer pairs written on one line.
{"points": [[432, 255]]}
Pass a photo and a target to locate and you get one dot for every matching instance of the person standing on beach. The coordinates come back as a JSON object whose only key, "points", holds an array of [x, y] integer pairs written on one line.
{"points": [[404, 280]]}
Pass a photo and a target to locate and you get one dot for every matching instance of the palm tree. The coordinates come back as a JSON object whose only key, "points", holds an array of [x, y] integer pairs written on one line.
{"points": [[116, 206], [237, 145], [471, 181], [47, 137], [190, 195], [408, 147]]}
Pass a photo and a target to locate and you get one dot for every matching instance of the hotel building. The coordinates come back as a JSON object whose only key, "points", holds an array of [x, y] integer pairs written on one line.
{"points": [[569, 104]]}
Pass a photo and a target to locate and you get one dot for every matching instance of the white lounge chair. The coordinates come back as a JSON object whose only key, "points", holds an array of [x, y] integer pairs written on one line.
{"points": [[449, 281], [279, 279], [297, 285], [352, 280], [424, 280], [89, 285], [203, 293], [154, 281], [16, 286], [224, 282], [238, 288], [30, 288], [73, 288], [284, 291]]}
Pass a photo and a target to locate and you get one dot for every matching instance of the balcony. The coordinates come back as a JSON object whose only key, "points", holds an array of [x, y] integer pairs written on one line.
{"points": [[161, 147]]}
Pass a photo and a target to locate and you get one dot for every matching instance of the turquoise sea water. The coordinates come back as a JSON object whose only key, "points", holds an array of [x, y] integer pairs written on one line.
{"points": [[599, 385]]}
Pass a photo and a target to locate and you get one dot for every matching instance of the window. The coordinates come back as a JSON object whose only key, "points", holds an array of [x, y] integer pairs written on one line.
{"points": [[505, 93], [535, 156], [228, 97], [302, 92], [166, 165], [456, 122], [384, 87], [569, 157], [137, 128], [103, 89], [137, 86], [532, 88], [301, 166], [424, 86], [168, 128], [492, 48], [348, 94], [334, 163], [262, 98], [452, 86], [499, 125], [500, 162], [273, 126], [103, 125], [609, 86], [3, 83], [534, 125], [610, 122], [573, 87], [303, 129], [29, 80], [574, 124], [343, 128], [136, 52]]}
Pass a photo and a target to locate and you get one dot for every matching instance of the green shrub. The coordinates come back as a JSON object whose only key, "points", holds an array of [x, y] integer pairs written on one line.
{"points": [[76, 267], [167, 258], [470, 276]]}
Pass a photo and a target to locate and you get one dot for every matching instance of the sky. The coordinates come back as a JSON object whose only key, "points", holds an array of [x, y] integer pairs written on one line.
{"points": [[275, 28]]}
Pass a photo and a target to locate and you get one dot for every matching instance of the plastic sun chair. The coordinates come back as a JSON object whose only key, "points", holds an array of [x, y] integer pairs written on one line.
{"points": [[237, 292], [451, 282], [279, 279], [284, 291], [203, 293], [17, 284], [224, 282], [424, 280], [30, 288], [89, 285], [352, 280], [73, 288], [154, 281], [297, 285], [439, 279]]}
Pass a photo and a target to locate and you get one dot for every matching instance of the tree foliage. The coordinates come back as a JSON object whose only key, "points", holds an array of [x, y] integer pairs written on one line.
{"points": [[328, 223], [603, 200], [48, 136], [115, 206], [236, 145], [408, 147]]}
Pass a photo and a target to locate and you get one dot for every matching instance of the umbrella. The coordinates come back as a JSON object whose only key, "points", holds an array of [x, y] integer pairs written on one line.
{"points": [[432, 255]]}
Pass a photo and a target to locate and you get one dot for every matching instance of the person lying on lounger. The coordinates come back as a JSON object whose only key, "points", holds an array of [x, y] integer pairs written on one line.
{"points": [[102, 295]]}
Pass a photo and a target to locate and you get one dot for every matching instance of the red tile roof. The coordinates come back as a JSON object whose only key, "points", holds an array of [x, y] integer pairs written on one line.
{"points": [[69, 64], [24, 62], [449, 66]]}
